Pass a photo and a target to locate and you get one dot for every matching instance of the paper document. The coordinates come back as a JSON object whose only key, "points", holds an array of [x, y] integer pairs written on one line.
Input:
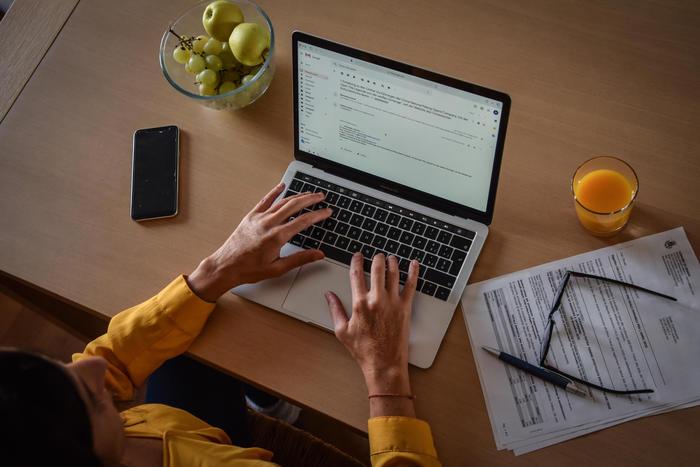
{"points": [[610, 335]]}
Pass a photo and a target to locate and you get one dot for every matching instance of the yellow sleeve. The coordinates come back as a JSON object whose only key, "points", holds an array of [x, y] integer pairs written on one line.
{"points": [[401, 441], [140, 339]]}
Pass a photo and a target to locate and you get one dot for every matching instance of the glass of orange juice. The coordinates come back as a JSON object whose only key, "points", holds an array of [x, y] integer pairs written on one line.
{"points": [[604, 190]]}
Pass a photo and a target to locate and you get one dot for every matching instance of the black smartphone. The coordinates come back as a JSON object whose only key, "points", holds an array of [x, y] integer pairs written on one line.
{"points": [[155, 173]]}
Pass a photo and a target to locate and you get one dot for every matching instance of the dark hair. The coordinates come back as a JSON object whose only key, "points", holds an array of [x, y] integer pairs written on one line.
{"points": [[43, 419]]}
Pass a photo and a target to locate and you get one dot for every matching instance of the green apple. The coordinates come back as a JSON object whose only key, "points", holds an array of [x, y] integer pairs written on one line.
{"points": [[248, 41], [220, 18]]}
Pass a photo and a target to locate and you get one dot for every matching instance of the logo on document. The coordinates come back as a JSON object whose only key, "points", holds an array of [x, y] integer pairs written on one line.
{"points": [[669, 244]]}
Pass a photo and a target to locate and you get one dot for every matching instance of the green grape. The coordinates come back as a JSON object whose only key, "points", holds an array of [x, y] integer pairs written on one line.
{"points": [[213, 47], [181, 55], [225, 48], [199, 43], [205, 90], [226, 86], [214, 62], [208, 78], [187, 68], [196, 63]]}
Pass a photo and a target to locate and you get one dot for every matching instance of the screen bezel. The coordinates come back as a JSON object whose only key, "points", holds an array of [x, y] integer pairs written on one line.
{"points": [[383, 184], [172, 209]]}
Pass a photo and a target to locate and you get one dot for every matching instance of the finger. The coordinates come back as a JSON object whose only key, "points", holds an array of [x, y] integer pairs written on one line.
{"points": [[295, 205], [282, 265], [358, 285], [302, 222], [378, 273], [409, 288], [337, 310], [276, 207], [265, 203], [392, 275]]}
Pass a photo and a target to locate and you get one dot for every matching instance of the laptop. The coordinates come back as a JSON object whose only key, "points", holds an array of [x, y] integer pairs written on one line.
{"points": [[409, 161]]}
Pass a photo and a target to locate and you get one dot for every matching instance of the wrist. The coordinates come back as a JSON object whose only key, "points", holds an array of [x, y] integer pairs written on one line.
{"points": [[389, 380], [209, 281]]}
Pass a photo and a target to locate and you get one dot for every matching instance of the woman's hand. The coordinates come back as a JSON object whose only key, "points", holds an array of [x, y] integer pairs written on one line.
{"points": [[377, 333], [252, 252]]}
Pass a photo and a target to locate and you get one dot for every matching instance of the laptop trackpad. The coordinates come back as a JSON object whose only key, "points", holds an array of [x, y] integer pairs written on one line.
{"points": [[306, 298]]}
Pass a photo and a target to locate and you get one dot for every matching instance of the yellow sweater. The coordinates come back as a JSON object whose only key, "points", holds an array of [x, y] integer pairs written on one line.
{"points": [[141, 338]]}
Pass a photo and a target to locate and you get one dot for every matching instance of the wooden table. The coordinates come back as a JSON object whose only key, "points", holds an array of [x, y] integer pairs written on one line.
{"points": [[616, 78]]}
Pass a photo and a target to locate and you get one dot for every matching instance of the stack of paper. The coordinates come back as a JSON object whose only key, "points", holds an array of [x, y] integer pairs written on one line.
{"points": [[614, 336]]}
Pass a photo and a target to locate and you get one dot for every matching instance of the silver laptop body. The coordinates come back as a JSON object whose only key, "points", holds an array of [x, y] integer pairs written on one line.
{"points": [[422, 142]]}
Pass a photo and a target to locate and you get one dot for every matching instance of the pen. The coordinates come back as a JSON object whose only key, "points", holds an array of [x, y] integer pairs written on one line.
{"points": [[549, 376]]}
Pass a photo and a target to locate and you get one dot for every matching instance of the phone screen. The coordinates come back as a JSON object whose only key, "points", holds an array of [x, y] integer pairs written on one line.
{"points": [[154, 177]]}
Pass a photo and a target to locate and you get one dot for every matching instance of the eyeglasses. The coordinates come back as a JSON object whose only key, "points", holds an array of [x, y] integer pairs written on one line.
{"points": [[550, 328]]}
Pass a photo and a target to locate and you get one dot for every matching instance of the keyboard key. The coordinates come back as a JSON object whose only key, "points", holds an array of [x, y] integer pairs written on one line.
{"points": [[419, 242], [419, 284], [428, 289], [444, 237], [431, 232], [356, 220], [290, 193], [443, 265], [394, 233], [354, 233], [418, 228], [442, 293], [430, 260], [296, 185], [318, 233], [330, 238], [332, 198], [309, 188], [378, 241], [319, 206], [403, 264], [354, 246], [404, 251], [367, 251], [432, 247], [344, 216], [321, 190], [343, 243], [342, 228], [406, 237], [369, 224], [297, 240], [445, 251], [344, 202], [356, 206], [381, 215], [454, 270], [366, 237], [402, 277], [392, 246], [329, 224], [382, 229], [393, 219], [460, 243], [310, 243], [417, 254], [336, 254], [368, 210], [367, 265], [440, 278], [334, 214], [405, 223]]}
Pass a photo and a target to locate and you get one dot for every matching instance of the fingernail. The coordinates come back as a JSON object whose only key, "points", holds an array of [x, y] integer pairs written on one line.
{"points": [[357, 254], [327, 295]]}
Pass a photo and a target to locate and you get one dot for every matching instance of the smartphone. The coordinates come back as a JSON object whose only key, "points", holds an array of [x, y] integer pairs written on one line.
{"points": [[155, 173]]}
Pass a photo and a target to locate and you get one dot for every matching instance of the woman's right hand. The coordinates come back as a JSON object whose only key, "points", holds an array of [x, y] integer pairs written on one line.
{"points": [[377, 333]]}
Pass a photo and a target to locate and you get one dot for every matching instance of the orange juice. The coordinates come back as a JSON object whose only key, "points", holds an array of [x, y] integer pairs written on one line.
{"points": [[603, 195]]}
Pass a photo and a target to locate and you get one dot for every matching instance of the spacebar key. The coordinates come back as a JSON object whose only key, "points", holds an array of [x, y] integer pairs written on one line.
{"points": [[336, 254]]}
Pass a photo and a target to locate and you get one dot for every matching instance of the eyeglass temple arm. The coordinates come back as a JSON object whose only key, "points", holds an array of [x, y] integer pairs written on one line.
{"points": [[595, 386], [614, 281]]}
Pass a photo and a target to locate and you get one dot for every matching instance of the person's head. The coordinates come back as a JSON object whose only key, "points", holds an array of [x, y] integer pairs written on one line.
{"points": [[53, 413]]}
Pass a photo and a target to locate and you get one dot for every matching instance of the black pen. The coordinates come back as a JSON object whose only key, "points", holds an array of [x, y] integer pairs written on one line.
{"points": [[549, 376]]}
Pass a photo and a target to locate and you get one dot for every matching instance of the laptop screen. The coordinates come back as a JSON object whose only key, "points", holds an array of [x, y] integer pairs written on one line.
{"points": [[413, 131]]}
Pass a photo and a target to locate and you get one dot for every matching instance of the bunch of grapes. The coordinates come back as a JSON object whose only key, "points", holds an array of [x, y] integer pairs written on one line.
{"points": [[215, 69]]}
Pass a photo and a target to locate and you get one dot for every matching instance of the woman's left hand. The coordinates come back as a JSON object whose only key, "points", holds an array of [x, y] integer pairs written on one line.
{"points": [[252, 252]]}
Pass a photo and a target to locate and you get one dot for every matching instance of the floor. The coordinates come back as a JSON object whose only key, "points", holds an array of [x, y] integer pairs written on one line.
{"points": [[30, 329]]}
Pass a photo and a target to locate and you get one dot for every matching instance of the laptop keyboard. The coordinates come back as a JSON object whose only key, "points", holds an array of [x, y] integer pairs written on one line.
{"points": [[370, 225]]}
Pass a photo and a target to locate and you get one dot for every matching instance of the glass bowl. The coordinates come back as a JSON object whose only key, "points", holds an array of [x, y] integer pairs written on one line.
{"points": [[189, 23]]}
